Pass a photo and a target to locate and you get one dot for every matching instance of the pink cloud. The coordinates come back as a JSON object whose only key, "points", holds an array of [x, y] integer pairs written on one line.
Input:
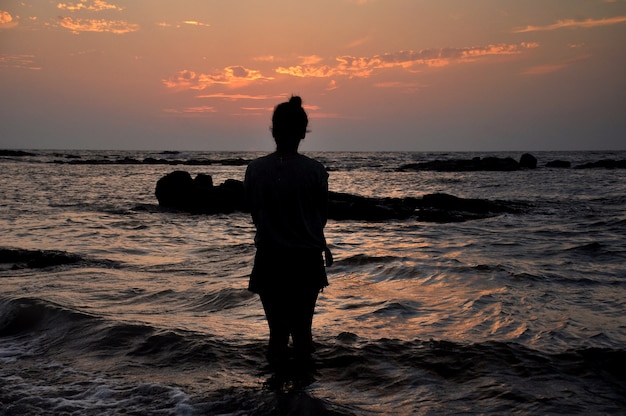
{"points": [[23, 61], [352, 66], [194, 111], [118, 27], [232, 76], [570, 23], [95, 6], [6, 20]]}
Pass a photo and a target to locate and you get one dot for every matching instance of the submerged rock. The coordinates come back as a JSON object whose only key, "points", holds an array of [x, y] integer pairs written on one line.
{"points": [[468, 165], [36, 259], [559, 164], [342, 206], [15, 153], [447, 208], [605, 163], [154, 161], [177, 190]]}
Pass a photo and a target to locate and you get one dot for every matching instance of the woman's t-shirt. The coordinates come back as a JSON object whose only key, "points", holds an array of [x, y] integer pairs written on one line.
{"points": [[288, 197]]}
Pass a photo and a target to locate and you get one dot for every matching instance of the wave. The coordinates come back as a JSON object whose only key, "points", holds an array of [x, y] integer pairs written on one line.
{"points": [[404, 309], [39, 259], [223, 299], [406, 376], [23, 317], [496, 375], [52, 327], [27, 315], [364, 259]]}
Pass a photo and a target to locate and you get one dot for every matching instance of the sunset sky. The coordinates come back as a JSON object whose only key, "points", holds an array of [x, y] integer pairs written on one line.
{"points": [[422, 75]]}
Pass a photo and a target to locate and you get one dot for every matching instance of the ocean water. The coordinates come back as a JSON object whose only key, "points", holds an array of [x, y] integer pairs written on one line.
{"points": [[110, 305]]}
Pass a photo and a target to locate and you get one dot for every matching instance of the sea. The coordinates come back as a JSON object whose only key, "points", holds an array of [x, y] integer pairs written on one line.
{"points": [[111, 305]]}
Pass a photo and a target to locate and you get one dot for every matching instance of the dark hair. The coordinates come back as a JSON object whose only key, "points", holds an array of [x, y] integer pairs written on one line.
{"points": [[289, 121]]}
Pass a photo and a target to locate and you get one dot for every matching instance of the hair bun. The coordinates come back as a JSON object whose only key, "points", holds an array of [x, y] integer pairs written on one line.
{"points": [[295, 101]]}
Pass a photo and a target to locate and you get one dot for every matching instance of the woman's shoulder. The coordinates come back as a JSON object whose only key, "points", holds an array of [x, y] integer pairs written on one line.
{"points": [[312, 162], [259, 161], [297, 161]]}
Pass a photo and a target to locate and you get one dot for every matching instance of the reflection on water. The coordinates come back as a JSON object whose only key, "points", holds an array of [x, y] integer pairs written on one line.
{"points": [[418, 316], [471, 281]]}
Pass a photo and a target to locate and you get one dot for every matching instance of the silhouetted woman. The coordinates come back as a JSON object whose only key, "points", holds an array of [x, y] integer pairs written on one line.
{"points": [[288, 193]]}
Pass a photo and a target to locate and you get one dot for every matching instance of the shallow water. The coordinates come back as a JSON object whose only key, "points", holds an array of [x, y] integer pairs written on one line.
{"points": [[147, 311]]}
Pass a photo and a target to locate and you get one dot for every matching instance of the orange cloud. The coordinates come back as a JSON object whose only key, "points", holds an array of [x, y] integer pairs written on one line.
{"points": [[118, 27], [310, 60], [364, 66], [191, 111], [588, 23], [195, 23], [236, 97], [257, 109], [304, 71], [184, 23], [19, 62], [232, 76], [95, 6], [6, 20]]}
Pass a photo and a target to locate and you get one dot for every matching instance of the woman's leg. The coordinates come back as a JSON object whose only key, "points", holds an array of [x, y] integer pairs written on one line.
{"points": [[301, 320], [277, 316]]}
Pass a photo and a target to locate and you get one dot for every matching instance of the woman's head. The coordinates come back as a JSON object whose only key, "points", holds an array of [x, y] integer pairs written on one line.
{"points": [[289, 123]]}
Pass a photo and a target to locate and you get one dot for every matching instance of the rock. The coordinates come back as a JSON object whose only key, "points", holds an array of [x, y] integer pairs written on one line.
{"points": [[479, 206], [558, 164], [464, 165], [447, 208], [499, 164], [154, 161], [343, 206], [203, 181], [15, 153], [228, 197], [178, 190], [528, 161], [37, 259], [605, 163]]}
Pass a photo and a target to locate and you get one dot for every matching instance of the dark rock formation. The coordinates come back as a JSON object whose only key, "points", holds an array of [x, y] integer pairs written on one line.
{"points": [[36, 258], [154, 161], [178, 190], [15, 153], [559, 164], [343, 206], [448, 208], [468, 165], [528, 161], [605, 163]]}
